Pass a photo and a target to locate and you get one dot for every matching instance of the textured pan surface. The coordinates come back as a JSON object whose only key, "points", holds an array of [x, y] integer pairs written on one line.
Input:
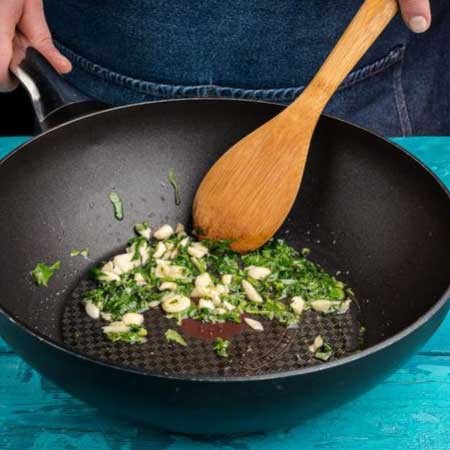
{"points": [[276, 349]]}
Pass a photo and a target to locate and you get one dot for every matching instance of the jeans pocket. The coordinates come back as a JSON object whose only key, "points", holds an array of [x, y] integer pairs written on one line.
{"points": [[371, 96]]}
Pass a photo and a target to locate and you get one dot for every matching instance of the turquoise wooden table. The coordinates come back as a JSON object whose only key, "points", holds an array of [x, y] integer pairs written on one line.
{"points": [[410, 410]]}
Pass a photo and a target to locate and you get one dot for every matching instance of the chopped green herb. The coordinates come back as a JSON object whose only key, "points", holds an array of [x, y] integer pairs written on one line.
{"points": [[173, 181], [174, 336], [221, 347], [135, 335], [117, 205], [143, 229], [84, 252], [161, 268], [42, 273], [324, 352]]}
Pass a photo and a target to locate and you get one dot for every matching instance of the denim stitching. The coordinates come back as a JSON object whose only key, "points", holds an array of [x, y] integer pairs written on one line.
{"points": [[400, 102], [180, 91]]}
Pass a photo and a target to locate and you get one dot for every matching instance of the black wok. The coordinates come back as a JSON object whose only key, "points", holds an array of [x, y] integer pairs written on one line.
{"points": [[367, 208]]}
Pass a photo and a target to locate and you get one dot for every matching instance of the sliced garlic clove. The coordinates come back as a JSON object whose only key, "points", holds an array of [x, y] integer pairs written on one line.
{"points": [[116, 327], [228, 306], [168, 286], [203, 280], [92, 310], [124, 263], [197, 250], [179, 228], [254, 324], [108, 275], [226, 279], [106, 316], [163, 232], [297, 305], [207, 304], [184, 242], [198, 292], [322, 306], [344, 307], [144, 231], [221, 289], [251, 292], [159, 251], [175, 303], [144, 253], [133, 319], [140, 280], [257, 272], [318, 342]]}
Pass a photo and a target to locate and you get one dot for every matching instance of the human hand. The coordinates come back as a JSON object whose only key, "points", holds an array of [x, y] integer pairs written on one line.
{"points": [[26, 16], [416, 14]]}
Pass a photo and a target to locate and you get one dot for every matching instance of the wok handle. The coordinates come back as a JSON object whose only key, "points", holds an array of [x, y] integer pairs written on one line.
{"points": [[54, 99]]}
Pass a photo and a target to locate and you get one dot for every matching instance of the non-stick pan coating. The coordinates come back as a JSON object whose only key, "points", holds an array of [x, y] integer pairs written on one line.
{"points": [[366, 209]]}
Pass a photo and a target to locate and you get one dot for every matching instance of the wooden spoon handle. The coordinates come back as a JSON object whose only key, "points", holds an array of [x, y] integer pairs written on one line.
{"points": [[368, 23]]}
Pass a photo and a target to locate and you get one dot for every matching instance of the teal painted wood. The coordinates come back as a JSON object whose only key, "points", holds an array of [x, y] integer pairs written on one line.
{"points": [[410, 410]]}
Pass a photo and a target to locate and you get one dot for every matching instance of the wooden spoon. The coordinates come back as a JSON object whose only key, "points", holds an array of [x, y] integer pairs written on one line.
{"points": [[248, 193]]}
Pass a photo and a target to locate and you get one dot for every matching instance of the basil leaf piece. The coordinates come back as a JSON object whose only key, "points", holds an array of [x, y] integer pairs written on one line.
{"points": [[42, 273]]}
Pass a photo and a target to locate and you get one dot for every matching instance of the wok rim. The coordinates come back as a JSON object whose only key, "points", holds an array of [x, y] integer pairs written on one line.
{"points": [[439, 304]]}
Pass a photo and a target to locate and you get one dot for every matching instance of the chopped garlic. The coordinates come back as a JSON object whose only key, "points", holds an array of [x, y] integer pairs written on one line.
{"points": [[163, 232], [251, 292], [168, 286], [93, 311], [124, 263], [175, 303], [184, 242], [323, 306], [226, 279], [179, 228], [344, 306], [203, 280], [108, 275], [254, 324], [133, 319], [318, 342], [197, 250], [297, 305], [221, 311], [227, 305], [258, 273], [143, 230], [207, 304], [165, 270], [106, 316], [215, 298], [159, 251], [221, 289], [140, 280], [201, 292], [116, 327]]}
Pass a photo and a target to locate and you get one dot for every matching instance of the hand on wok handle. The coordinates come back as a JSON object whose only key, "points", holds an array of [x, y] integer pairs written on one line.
{"points": [[26, 17]]}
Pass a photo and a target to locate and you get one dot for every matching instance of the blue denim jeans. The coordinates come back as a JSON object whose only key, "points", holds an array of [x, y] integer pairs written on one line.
{"points": [[143, 50]]}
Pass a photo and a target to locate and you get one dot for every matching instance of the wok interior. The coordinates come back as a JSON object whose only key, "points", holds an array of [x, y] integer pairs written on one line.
{"points": [[365, 209]]}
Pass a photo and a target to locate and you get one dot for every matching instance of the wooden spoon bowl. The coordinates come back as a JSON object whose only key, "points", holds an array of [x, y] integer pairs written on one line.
{"points": [[248, 193]]}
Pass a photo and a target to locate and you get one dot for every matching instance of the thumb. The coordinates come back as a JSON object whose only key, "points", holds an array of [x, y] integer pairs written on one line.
{"points": [[34, 26], [416, 14]]}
